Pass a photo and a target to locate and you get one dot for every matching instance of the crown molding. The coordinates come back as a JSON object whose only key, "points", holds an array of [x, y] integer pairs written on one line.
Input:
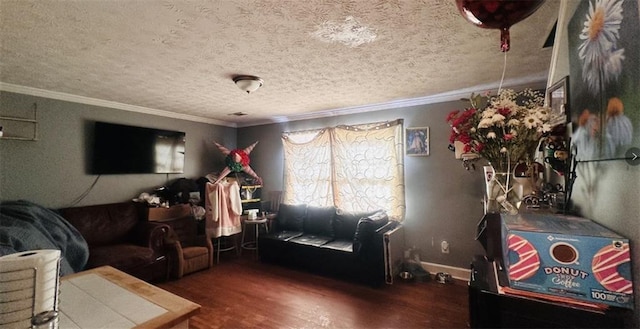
{"points": [[110, 104], [533, 82]]}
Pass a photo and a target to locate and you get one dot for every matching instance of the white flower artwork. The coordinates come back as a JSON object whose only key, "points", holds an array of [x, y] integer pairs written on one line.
{"points": [[604, 55], [602, 60]]}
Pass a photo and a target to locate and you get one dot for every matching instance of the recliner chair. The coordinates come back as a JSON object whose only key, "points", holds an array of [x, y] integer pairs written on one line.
{"points": [[188, 251]]}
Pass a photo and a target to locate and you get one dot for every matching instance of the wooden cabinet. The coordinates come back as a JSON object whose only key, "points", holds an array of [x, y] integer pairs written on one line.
{"points": [[163, 214], [489, 309]]}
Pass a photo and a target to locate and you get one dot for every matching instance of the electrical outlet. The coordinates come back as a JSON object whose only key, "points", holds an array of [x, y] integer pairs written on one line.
{"points": [[444, 247]]}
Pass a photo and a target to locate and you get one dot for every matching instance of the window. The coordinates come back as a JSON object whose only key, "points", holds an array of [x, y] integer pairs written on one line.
{"points": [[355, 168]]}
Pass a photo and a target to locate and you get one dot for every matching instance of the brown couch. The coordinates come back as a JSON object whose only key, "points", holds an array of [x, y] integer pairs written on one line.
{"points": [[119, 235]]}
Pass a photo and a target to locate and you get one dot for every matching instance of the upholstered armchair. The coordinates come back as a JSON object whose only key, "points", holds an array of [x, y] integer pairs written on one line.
{"points": [[188, 251]]}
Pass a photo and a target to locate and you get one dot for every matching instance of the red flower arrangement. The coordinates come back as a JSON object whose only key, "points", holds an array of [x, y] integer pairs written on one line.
{"points": [[237, 159], [503, 129]]}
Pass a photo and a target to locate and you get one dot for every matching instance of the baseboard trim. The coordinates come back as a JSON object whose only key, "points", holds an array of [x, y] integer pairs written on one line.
{"points": [[456, 272]]}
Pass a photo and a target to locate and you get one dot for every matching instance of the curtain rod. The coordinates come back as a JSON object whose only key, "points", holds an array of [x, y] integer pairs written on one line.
{"points": [[373, 124]]}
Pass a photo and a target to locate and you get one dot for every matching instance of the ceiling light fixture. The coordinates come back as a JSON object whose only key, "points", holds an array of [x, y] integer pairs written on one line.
{"points": [[248, 83]]}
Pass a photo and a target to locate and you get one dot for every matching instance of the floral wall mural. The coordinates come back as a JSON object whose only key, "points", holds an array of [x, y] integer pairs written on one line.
{"points": [[604, 55]]}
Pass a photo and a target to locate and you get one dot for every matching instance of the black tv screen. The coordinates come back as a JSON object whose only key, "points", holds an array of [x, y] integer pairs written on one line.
{"points": [[122, 149]]}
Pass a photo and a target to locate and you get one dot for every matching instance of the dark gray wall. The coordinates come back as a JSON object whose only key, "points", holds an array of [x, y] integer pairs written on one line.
{"points": [[443, 199], [52, 171]]}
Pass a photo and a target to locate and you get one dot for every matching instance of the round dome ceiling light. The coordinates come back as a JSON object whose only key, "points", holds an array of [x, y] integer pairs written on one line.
{"points": [[248, 83]]}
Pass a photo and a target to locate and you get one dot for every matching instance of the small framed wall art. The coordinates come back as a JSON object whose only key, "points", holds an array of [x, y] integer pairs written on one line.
{"points": [[558, 101], [416, 140]]}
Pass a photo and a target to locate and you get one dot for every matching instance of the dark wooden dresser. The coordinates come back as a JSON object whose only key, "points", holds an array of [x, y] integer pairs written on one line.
{"points": [[488, 309]]}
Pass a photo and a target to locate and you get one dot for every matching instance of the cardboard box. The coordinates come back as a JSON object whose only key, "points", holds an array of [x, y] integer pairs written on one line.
{"points": [[567, 256]]}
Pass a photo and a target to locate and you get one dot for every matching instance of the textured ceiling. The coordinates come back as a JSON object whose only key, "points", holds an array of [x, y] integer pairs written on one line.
{"points": [[180, 56]]}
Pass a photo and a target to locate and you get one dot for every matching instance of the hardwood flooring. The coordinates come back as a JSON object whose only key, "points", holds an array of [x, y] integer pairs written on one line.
{"points": [[242, 292]]}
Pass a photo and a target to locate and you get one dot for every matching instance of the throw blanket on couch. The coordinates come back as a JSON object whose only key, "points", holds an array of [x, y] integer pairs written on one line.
{"points": [[27, 226]]}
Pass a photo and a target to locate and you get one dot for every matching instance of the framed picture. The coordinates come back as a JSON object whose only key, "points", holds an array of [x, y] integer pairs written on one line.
{"points": [[604, 78], [416, 141], [558, 101]]}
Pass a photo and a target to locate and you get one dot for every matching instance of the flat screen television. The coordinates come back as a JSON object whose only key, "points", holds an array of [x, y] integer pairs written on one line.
{"points": [[122, 149]]}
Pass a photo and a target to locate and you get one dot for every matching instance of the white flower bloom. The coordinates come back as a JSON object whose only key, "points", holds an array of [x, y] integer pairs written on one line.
{"points": [[546, 127], [509, 103], [530, 121], [505, 104], [488, 113], [472, 129], [599, 51], [498, 119], [620, 129], [503, 150], [614, 65], [485, 123], [513, 123], [491, 135], [542, 113], [507, 94]]}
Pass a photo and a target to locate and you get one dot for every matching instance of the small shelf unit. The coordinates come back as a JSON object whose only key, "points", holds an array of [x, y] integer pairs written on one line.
{"points": [[19, 124], [251, 196]]}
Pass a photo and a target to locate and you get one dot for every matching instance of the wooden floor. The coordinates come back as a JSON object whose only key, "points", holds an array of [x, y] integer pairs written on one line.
{"points": [[242, 292]]}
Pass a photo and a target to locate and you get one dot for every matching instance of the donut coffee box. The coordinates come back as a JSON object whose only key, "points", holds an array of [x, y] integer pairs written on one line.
{"points": [[567, 256]]}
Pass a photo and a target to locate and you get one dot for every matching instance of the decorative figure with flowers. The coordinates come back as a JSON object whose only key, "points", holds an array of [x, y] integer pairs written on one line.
{"points": [[237, 160], [504, 129]]}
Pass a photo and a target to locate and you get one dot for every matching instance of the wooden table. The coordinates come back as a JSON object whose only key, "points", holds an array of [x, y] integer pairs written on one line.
{"points": [[108, 298]]}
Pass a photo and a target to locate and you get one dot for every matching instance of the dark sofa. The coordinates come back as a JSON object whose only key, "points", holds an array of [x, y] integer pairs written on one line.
{"points": [[328, 241], [119, 235]]}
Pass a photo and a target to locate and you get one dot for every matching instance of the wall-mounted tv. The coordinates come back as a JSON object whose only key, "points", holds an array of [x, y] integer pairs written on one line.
{"points": [[122, 149]]}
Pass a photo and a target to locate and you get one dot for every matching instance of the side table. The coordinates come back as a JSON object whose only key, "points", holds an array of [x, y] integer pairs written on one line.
{"points": [[256, 223]]}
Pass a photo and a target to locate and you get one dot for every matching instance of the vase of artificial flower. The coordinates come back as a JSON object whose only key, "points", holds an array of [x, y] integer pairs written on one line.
{"points": [[504, 190], [505, 130], [501, 190], [492, 191]]}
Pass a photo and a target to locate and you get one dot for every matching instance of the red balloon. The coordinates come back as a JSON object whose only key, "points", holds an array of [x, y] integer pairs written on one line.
{"points": [[498, 14]]}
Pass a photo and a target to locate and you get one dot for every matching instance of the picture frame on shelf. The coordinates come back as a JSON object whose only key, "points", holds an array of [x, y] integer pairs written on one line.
{"points": [[558, 101], [416, 141]]}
